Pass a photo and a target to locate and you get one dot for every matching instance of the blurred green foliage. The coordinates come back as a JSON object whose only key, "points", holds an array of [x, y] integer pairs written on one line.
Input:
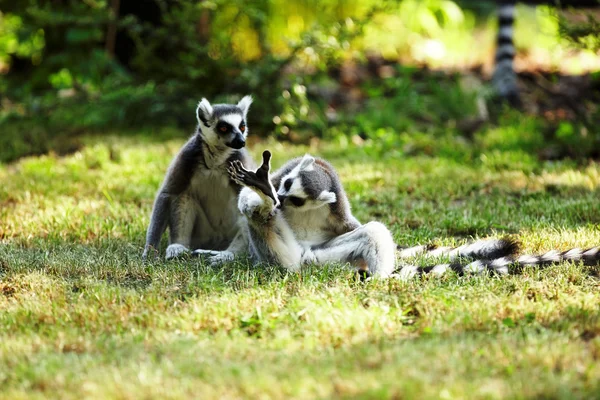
{"points": [[65, 75], [62, 79], [581, 29]]}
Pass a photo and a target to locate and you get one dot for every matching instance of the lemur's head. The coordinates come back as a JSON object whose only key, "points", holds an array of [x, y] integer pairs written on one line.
{"points": [[307, 187], [224, 124]]}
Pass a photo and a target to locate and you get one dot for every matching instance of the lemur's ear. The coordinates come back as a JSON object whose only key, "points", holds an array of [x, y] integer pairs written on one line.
{"points": [[307, 163], [327, 197], [204, 112], [244, 104]]}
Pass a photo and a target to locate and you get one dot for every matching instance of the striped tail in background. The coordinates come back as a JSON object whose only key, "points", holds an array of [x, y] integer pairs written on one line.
{"points": [[504, 78]]}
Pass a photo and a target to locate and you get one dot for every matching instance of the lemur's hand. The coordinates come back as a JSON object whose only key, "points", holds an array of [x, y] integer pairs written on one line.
{"points": [[263, 171], [258, 180]]}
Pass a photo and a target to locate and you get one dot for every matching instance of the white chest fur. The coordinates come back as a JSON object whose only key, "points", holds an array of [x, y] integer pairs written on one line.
{"points": [[216, 213], [310, 227]]}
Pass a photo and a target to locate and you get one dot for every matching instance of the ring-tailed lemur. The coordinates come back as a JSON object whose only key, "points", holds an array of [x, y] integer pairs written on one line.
{"points": [[494, 263], [197, 200], [307, 219]]}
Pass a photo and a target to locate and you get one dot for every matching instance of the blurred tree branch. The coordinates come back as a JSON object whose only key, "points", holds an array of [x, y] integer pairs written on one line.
{"points": [[111, 32]]}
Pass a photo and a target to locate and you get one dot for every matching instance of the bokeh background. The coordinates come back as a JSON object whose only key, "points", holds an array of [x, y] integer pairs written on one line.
{"points": [[391, 76]]}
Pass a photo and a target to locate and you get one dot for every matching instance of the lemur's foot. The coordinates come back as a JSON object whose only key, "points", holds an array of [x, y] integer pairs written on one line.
{"points": [[175, 250], [215, 258], [258, 180]]}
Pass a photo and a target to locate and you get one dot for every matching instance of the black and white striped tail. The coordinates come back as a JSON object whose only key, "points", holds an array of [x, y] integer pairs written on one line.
{"points": [[504, 265], [481, 249], [504, 78]]}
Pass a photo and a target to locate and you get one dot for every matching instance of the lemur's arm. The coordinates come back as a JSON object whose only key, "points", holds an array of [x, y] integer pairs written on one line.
{"points": [[257, 201], [272, 238], [177, 179], [158, 223]]}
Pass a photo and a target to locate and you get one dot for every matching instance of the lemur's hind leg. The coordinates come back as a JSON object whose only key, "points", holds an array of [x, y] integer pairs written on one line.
{"points": [[371, 243], [270, 237]]}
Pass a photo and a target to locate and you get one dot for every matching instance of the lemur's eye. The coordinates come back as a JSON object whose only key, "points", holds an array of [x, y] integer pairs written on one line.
{"points": [[242, 127], [287, 184], [223, 128], [297, 201]]}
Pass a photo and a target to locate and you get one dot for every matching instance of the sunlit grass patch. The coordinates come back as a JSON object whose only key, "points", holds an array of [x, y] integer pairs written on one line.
{"points": [[82, 316]]}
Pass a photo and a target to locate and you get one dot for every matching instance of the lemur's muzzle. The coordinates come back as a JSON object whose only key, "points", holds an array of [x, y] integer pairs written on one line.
{"points": [[281, 199], [238, 141]]}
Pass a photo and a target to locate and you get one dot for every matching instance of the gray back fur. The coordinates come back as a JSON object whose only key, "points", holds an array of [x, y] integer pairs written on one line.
{"points": [[323, 177]]}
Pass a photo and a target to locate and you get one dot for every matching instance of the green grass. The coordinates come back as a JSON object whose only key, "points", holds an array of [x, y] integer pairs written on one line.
{"points": [[81, 316]]}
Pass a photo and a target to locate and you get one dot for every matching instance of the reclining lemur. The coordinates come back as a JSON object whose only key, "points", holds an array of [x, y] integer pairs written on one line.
{"points": [[302, 215]]}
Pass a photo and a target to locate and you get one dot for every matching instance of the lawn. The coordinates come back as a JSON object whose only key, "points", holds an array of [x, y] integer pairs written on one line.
{"points": [[82, 317]]}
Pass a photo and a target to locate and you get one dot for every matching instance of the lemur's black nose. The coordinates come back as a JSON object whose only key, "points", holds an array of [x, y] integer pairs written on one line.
{"points": [[281, 200], [237, 143]]}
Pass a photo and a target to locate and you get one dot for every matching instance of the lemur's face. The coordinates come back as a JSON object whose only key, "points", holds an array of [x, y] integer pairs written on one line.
{"points": [[224, 125], [304, 188], [230, 129]]}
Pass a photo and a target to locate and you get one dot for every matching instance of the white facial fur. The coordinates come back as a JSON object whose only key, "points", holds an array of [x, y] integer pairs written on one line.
{"points": [[209, 135], [306, 164], [296, 188], [234, 120], [324, 198]]}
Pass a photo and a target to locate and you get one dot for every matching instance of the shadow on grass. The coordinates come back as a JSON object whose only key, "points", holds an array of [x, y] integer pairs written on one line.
{"points": [[119, 263]]}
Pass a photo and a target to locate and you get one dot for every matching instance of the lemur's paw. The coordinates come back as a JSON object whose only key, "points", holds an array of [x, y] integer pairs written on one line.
{"points": [[202, 253], [239, 174], [175, 250], [215, 258], [222, 258], [259, 180]]}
